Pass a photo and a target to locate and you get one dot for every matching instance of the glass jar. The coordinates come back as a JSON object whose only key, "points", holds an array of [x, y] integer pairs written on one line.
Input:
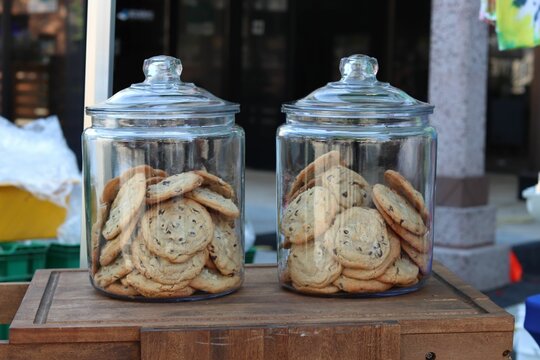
{"points": [[355, 173], [163, 171]]}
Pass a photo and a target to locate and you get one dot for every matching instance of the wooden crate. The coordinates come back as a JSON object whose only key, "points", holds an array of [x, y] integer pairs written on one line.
{"points": [[62, 316]]}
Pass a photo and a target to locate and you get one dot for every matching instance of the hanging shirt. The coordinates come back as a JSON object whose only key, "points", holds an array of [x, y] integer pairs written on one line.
{"points": [[517, 23]]}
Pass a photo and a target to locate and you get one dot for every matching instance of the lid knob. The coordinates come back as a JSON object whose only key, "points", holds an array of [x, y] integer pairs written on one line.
{"points": [[162, 70], [358, 68]]}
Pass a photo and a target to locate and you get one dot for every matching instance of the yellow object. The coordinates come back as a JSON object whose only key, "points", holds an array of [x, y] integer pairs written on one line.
{"points": [[23, 216]]}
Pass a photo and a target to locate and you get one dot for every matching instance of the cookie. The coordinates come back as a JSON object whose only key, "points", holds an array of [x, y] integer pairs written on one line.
{"points": [[399, 209], [101, 215], [414, 282], [403, 272], [318, 166], [209, 264], [159, 173], [359, 238], [159, 269], [216, 184], [176, 229], [303, 188], [309, 215], [395, 251], [124, 282], [113, 248], [125, 206], [113, 185], [110, 190], [330, 289], [154, 289], [418, 242], [172, 186], [284, 275], [225, 249], [347, 186], [213, 282], [360, 286], [214, 201], [422, 260], [106, 275], [118, 288], [286, 244], [154, 180], [402, 186], [312, 265]]}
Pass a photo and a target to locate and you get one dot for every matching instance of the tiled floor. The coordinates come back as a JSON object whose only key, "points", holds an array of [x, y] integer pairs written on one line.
{"points": [[261, 200], [514, 225]]}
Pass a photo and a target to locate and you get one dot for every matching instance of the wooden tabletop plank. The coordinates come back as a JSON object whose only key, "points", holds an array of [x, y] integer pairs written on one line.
{"points": [[376, 341], [67, 351], [63, 305], [467, 290], [11, 295], [481, 346]]}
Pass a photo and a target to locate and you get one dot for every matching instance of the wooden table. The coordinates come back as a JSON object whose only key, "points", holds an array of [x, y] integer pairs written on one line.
{"points": [[62, 317]]}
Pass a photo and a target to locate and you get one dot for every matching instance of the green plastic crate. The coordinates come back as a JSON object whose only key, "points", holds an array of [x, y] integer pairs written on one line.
{"points": [[19, 260], [62, 256], [250, 254], [4, 331]]}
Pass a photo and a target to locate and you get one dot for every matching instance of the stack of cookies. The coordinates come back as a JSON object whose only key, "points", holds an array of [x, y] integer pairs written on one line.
{"points": [[346, 235], [166, 236]]}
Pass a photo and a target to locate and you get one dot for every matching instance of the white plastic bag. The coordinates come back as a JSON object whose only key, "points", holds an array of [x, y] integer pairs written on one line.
{"points": [[249, 235], [70, 231], [37, 159]]}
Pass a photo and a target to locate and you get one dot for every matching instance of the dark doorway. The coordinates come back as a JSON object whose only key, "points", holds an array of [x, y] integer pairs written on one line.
{"points": [[262, 53]]}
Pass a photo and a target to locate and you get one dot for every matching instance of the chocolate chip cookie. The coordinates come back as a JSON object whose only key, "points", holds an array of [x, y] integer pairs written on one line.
{"points": [[113, 247], [359, 238], [159, 269], [154, 289], [176, 229], [312, 265], [318, 166], [351, 285], [362, 274], [347, 186], [402, 272], [214, 201], [399, 209], [106, 275], [213, 282], [309, 215], [418, 242], [423, 260], [216, 184], [402, 186], [225, 249], [125, 206], [172, 186]]}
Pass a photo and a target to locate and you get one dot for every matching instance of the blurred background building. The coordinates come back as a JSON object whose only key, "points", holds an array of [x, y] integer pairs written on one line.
{"points": [[259, 53]]}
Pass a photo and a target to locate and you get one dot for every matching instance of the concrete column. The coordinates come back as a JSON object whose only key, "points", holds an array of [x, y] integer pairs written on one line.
{"points": [[464, 223]]}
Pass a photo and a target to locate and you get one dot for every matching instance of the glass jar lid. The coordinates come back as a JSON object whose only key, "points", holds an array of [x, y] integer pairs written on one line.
{"points": [[358, 95], [163, 95]]}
